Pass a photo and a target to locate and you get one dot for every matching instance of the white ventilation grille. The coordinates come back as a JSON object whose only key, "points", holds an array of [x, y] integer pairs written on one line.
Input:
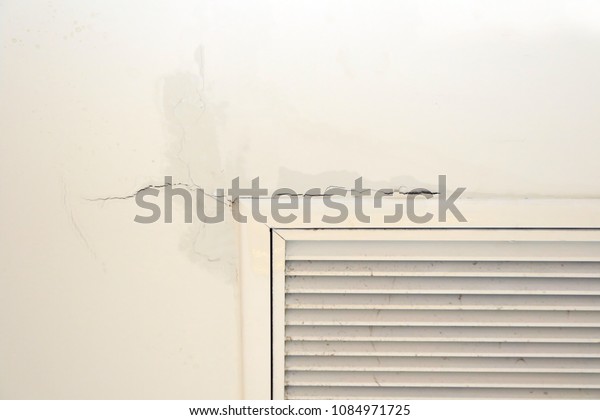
{"points": [[397, 313]]}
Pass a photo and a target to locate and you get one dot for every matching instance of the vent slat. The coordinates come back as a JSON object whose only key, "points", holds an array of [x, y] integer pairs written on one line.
{"points": [[442, 334], [406, 393], [441, 349], [444, 269], [450, 380], [442, 302], [450, 250], [441, 364], [373, 317], [449, 285]]}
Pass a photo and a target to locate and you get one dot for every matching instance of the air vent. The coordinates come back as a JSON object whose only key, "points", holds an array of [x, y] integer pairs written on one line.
{"points": [[438, 313]]}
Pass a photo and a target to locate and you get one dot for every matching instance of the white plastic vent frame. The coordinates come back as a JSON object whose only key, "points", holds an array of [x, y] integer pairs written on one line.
{"points": [[262, 263]]}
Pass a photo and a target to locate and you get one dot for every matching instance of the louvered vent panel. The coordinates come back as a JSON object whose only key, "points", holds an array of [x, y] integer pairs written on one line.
{"points": [[440, 314]]}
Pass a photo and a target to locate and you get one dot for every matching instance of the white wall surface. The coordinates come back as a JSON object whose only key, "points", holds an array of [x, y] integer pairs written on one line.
{"points": [[101, 98]]}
